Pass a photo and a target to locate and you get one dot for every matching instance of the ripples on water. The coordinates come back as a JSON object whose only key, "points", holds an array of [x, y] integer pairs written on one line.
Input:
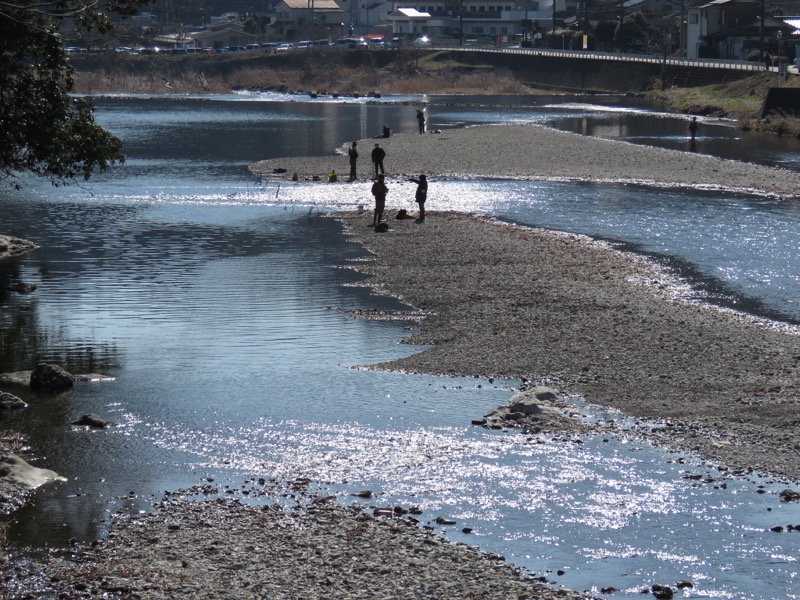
{"points": [[210, 298]]}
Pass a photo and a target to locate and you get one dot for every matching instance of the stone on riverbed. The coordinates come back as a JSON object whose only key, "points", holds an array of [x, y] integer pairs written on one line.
{"points": [[10, 401], [93, 421], [51, 378], [23, 378], [523, 405], [16, 471]]}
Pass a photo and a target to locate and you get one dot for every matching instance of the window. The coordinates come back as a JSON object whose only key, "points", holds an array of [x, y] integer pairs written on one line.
{"points": [[693, 18]]}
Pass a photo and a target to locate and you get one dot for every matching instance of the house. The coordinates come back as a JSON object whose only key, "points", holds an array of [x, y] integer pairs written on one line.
{"points": [[410, 23], [491, 21], [651, 8], [221, 35], [709, 27], [309, 19]]}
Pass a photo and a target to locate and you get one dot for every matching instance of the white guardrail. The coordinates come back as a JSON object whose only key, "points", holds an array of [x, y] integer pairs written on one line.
{"points": [[735, 65]]}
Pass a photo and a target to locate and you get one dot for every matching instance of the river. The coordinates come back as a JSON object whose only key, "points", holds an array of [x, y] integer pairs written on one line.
{"points": [[211, 300]]}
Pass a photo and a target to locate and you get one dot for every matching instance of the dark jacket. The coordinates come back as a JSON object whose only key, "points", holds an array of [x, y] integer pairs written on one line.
{"points": [[422, 189]]}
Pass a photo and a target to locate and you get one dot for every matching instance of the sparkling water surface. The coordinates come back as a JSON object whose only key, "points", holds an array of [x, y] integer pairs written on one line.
{"points": [[212, 301]]}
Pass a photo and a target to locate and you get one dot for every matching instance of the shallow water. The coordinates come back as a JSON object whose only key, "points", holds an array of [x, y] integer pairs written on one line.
{"points": [[211, 300]]}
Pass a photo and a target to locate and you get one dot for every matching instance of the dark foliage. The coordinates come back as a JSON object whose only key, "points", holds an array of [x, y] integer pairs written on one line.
{"points": [[44, 130]]}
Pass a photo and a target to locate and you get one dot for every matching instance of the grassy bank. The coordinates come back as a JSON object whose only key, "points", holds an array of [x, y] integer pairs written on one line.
{"points": [[347, 73], [741, 100]]}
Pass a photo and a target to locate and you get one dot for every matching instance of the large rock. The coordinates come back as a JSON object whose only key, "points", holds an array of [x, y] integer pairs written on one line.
{"points": [[16, 471], [51, 378], [92, 421], [524, 404]]}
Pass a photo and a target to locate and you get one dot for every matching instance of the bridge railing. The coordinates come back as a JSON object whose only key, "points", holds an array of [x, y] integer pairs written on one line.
{"points": [[706, 63]]}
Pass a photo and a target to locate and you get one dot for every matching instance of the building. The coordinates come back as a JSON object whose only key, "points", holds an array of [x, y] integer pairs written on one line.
{"points": [[477, 21], [708, 27], [225, 34], [309, 19]]}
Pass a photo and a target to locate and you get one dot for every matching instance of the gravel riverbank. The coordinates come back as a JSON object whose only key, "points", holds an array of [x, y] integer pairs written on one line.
{"points": [[223, 549]]}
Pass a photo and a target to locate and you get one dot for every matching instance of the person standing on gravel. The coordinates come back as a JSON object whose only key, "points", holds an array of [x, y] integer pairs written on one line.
{"points": [[378, 154], [353, 154], [379, 190], [421, 120], [421, 195]]}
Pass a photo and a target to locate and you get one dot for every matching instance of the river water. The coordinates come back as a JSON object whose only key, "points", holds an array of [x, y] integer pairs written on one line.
{"points": [[211, 300]]}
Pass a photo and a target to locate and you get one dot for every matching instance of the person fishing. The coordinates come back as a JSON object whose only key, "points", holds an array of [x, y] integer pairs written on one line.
{"points": [[421, 194], [379, 191], [353, 154]]}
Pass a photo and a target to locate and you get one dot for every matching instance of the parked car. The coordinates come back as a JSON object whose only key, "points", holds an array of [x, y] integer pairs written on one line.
{"points": [[351, 42], [284, 47], [253, 47], [422, 41], [305, 44], [269, 46]]}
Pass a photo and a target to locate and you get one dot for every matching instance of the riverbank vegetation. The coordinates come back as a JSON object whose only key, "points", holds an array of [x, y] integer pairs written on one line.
{"points": [[741, 100], [409, 72]]}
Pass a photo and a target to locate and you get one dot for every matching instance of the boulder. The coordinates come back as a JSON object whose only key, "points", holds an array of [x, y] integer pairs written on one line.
{"points": [[51, 378], [662, 592], [92, 421], [14, 471], [524, 404], [788, 495], [11, 401]]}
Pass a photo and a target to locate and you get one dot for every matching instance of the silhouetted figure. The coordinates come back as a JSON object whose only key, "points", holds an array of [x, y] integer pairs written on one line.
{"points": [[421, 120], [353, 154], [378, 154], [693, 127], [379, 191], [421, 195]]}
